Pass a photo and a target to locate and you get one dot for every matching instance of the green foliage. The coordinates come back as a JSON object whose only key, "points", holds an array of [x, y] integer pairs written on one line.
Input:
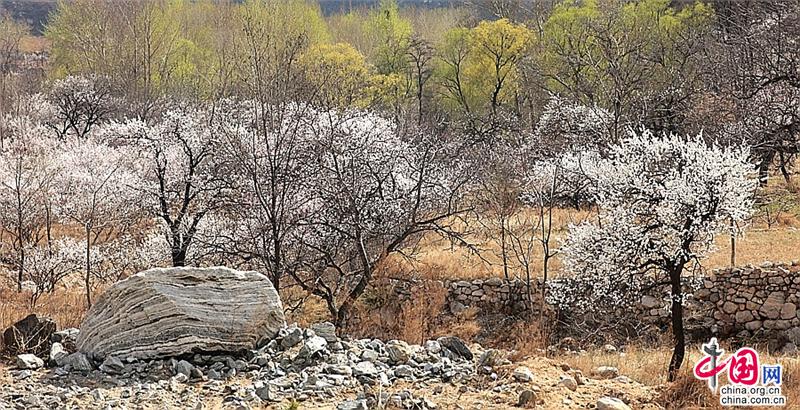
{"points": [[178, 47], [339, 73], [479, 67], [606, 52], [391, 33]]}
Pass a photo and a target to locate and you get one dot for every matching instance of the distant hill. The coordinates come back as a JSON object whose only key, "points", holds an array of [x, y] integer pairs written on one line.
{"points": [[35, 12]]}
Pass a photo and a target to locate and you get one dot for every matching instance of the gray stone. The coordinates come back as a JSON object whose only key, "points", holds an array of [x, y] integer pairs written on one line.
{"points": [[526, 398], [744, 316], [66, 336], [57, 353], [455, 346], [433, 347], [399, 352], [730, 308], [185, 368], [263, 391], [29, 335], [789, 349], [29, 361], [312, 346], [365, 369], [568, 382], [611, 403], [753, 326], [490, 357], [293, 336], [77, 362], [649, 302], [112, 365], [793, 335], [788, 311], [404, 370], [170, 312], [353, 405], [605, 372], [523, 374], [771, 309], [326, 330], [609, 349]]}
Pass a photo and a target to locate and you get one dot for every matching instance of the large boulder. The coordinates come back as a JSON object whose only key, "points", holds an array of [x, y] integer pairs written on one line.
{"points": [[170, 312], [29, 335]]}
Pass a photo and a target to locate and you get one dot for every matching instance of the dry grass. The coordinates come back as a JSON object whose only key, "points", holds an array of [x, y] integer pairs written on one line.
{"points": [[438, 259], [65, 307], [649, 366]]}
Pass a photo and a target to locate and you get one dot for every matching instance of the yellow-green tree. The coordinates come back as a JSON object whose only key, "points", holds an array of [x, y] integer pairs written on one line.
{"points": [[339, 75], [479, 67], [637, 59], [197, 49], [274, 35], [498, 46], [391, 34]]}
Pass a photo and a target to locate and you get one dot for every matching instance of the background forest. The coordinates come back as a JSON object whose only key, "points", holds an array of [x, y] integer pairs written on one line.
{"points": [[332, 148]]}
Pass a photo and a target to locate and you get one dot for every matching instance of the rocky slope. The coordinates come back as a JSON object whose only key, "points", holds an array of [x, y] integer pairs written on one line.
{"points": [[318, 370]]}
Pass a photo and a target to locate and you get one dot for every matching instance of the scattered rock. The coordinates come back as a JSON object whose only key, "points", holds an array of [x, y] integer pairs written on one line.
{"points": [[264, 391], [433, 347], [188, 310], [399, 352], [293, 336], [568, 382], [523, 374], [312, 346], [526, 398], [29, 361], [185, 368], [77, 362], [112, 365], [325, 330], [611, 403], [57, 352], [353, 405], [365, 369], [605, 372], [490, 357], [455, 346], [578, 376]]}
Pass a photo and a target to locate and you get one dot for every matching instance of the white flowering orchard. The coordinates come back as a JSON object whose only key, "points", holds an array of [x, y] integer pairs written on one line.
{"points": [[661, 200]]}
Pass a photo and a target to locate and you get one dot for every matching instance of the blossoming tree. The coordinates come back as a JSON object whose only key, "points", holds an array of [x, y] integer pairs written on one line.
{"points": [[373, 193], [661, 200]]}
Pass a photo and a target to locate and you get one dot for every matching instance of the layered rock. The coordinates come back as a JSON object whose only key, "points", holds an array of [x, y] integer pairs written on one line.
{"points": [[175, 311]]}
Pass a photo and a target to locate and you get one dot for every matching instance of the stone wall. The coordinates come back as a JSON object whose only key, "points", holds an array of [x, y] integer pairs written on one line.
{"points": [[747, 301], [493, 294]]}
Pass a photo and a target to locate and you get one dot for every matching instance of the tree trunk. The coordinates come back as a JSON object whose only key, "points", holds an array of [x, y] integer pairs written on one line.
{"points": [[178, 256], [503, 247], [87, 278], [784, 171], [763, 168], [733, 243], [679, 350]]}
